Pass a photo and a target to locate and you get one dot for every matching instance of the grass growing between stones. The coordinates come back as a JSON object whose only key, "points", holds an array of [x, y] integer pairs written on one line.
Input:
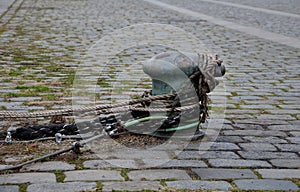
{"points": [[60, 176], [23, 187], [99, 186], [124, 174]]}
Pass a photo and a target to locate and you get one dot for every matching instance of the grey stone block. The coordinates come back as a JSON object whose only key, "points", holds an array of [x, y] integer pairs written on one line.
{"points": [[212, 173], [49, 166], [9, 188], [112, 163], [196, 185], [238, 163], [254, 133], [284, 127], [279, 173], [265, 184], [289, 147], [93, 175], [257, 147], [213, 146], [286, 163], [264, 139], [207, 155], [174, 163], [62, 187], [183, 164], [131, 186], [28, 178], [230, 139], [295, 133], [294, 139], [157, 174], [267, 155], [134, 154]]}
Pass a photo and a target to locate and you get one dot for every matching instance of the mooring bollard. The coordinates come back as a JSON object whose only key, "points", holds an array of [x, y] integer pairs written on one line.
{"points": [[169, 70]]}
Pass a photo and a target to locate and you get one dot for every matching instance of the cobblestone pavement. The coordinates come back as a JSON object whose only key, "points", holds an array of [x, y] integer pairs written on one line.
{"points": [[43, 42]]}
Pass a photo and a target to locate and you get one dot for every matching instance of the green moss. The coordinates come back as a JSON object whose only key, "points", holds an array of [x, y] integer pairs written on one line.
{"points": [[60, 176], [124, 174], [50, 97], [35, 88], [23, 187], [2, 29], [27, 94], [234, 94], [14, 73], [102, 82]]}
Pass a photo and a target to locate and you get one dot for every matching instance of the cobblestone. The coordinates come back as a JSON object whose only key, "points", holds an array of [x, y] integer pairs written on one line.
{"points": [[238, 163], [265, 184], [50, 166], [255, 133], [264, 139], [286, 163], [9, 188], [212, 174], [131, 186], [213, 146], [289, 147], [158, 174], [267, 155], [279, 173], [93, 175], [207, 155], [43, 42], [28, 178], [257, 147], [174, 163], [203, 185], [63, 187], [110, 163]]}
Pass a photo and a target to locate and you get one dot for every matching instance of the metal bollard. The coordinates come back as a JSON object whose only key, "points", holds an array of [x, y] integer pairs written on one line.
{"points": [[169, 70]]}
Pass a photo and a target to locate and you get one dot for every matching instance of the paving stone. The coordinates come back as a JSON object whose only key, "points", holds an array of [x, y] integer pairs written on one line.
{"points": [[257, 147], [212, 173], [28, 178], [272, 116], [213, 146], [279, 173], [265, 184], [50, 166], [134, 154], [254, 133], [293, 139], [238, 163], [295, 133], [207, 155], [156, 174], [202, 185], [230, 139], [112, 163], [9, 188], [174, 163], [286, 163], [93, 175], [131, 186], [289, 147], [267, 155], [62, 187], [284, 127], [264, 139], [249, 126]]}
